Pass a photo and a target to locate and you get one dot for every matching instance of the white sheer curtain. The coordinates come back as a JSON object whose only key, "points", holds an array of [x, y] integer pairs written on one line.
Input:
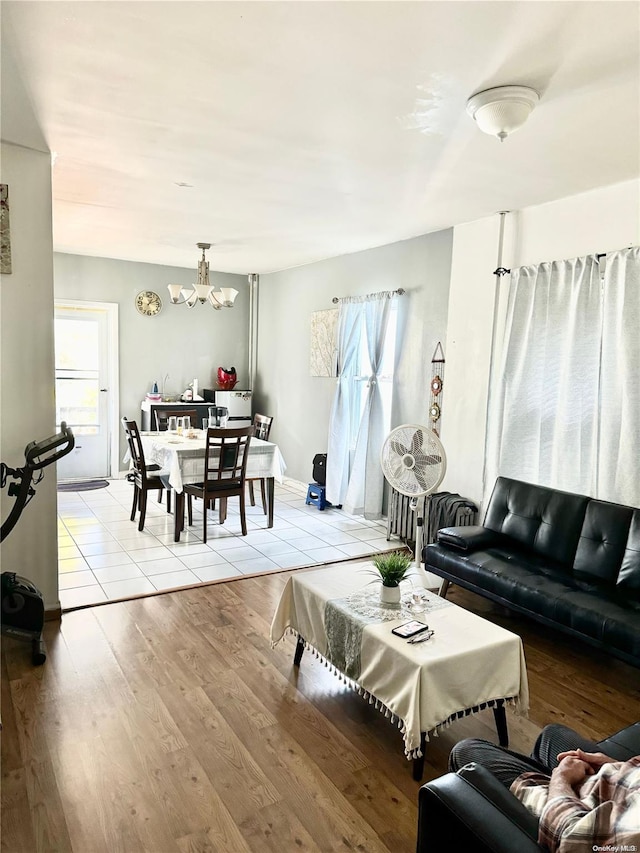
{"points": [[544, 407], [565, 404], [354, 475], [618, 473], [366, 483], [343, 414]]}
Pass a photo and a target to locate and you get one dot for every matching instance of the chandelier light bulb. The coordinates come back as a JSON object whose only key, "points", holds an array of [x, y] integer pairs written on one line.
{"points": [[228, 295], [175, 291], [215, 298]]}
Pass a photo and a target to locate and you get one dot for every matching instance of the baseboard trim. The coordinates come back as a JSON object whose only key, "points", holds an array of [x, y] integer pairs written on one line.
{"points": [[53, 614]]}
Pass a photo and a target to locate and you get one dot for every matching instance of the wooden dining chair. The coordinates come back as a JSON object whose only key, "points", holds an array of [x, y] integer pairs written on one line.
{"points": [[143, 476], [262, 428], [225, 465], [162, 425], [163, 415]]}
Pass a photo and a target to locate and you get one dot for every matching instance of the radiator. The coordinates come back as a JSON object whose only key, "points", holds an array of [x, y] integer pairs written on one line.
{"points": [[442, 509]]}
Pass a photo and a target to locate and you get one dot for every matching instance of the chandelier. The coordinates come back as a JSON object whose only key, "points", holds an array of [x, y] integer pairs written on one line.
{"points": [[202, 290]]}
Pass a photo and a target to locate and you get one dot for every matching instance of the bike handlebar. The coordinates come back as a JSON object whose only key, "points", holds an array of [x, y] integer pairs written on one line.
{"points": [[23, 491], [34, 449]]}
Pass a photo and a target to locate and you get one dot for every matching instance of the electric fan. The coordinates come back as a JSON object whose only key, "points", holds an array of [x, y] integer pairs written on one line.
{"points": [[414, 463]]}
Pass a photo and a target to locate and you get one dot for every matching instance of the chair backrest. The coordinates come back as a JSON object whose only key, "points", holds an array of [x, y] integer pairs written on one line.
{"points": [[262, 426], [225, 461], [135, 447], [163, 415]]}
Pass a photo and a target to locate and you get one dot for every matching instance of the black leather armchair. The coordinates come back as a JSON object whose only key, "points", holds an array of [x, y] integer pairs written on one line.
{"points": [[471, 810]]}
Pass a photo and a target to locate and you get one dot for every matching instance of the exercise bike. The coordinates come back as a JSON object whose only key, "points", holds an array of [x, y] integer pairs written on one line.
{"points": [[22, 605]]}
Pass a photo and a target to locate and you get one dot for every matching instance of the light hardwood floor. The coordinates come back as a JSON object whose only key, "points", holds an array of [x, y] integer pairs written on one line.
{"points": [[169, 724]]}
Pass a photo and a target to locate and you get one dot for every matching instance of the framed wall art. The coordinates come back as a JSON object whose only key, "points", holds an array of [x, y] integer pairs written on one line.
{"points": [[323, 360]]}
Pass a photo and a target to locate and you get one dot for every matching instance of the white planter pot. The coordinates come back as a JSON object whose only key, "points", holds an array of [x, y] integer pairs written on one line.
{"points": [[389, 594]]}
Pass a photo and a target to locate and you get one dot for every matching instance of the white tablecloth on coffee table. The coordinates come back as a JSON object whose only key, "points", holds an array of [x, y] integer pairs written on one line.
{"points": [[468, 664]]}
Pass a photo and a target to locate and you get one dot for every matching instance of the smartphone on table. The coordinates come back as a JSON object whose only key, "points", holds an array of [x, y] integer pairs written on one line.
{"points": [[410, 629]]}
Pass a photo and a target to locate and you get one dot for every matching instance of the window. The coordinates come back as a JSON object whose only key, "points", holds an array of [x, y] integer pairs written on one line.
{"points": [[360, 416], [77, 375], [385, 376], [565, 406]]}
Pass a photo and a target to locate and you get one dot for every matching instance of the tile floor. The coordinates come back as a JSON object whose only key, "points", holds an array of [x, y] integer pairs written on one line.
{"points": [[102, 556]]}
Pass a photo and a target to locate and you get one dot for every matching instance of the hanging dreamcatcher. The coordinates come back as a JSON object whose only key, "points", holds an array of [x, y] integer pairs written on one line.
{"points": [[437, 382]]}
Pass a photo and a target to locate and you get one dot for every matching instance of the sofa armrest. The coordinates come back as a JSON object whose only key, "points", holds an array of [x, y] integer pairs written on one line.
{"points": [[472, 810], [471, 538], [624, 744]]}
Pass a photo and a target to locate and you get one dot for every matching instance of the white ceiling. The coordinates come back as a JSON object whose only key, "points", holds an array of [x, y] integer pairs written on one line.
{"points": [[287, 132]]}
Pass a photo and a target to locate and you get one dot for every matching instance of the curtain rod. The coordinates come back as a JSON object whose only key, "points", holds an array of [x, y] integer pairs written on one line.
{"points": [[505, 271], [399, 292]]}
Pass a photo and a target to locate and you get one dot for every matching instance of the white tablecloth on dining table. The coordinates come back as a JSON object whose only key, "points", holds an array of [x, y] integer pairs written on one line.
{"points": [[182, 459]]}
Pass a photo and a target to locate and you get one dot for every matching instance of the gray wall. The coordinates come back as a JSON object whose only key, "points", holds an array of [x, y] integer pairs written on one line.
{"points": [[300, 403], [184, 342], [27, 407]]}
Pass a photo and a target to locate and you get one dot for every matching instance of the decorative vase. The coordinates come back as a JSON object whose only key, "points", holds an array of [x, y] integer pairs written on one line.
{"points": [[390, 595], [227, 378]]}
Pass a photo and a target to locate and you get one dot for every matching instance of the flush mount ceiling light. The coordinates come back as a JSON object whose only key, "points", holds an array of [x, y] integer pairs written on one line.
{"points": [[502, 110], [202, 291]]}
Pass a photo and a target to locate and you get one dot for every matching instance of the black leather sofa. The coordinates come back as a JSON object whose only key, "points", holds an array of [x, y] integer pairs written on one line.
{"points": [[567, 560], [472, 811]]}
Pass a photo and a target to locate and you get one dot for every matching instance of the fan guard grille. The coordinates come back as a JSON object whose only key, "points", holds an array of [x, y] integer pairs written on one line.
{"points": [[413, 460]]}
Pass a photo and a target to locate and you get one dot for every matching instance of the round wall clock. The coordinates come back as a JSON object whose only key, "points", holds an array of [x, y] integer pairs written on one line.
{"points": [[148, 303]]}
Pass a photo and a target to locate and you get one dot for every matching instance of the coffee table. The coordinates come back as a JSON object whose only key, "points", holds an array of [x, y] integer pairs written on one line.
{"points": [[468, 665]]}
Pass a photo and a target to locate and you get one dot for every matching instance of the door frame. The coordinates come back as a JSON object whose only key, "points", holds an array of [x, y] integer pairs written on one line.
{"points": [[112, 360]]}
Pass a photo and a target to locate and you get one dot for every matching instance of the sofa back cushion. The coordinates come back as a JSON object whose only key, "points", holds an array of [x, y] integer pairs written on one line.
{"points": [[545, 520], [603, 541], [629, 575]]}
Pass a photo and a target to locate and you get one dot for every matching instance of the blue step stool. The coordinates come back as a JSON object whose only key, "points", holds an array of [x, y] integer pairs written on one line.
{"points": [[316, 496]]}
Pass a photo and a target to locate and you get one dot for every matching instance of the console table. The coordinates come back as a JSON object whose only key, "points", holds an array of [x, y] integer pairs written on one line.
{"points": [[148, 409]]}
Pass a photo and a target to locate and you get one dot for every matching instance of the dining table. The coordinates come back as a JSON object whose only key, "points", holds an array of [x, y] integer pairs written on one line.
{"points": [[181, 460]]}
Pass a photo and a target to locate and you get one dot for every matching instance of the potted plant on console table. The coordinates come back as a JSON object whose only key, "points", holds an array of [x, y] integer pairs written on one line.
{"points": [[392, 568]]}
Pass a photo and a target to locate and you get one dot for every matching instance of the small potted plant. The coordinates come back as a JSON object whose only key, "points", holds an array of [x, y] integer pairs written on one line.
{"points": [[392, 568]]}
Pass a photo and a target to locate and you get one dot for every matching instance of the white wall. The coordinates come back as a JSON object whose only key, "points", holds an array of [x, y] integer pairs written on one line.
{"points": [[300, 403], [27, 410], [598, 221], [184, 342], [468, 351]]}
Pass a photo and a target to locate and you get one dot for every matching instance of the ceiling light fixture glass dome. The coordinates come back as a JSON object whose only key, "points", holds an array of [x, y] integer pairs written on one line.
{"points": [[502, 110]]}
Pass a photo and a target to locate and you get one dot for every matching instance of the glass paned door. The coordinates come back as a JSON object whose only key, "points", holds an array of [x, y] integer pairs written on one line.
{"points": [[81, 344]]}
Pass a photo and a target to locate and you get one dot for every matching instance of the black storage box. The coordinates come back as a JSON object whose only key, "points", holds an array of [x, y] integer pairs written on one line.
{"points": [[320, 468]]}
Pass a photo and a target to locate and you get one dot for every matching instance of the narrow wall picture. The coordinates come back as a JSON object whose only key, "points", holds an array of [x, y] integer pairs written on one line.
{"points": [[5, 237]]}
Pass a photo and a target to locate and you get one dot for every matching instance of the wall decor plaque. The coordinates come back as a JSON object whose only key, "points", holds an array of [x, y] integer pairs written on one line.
{"points": [[5, 235]]}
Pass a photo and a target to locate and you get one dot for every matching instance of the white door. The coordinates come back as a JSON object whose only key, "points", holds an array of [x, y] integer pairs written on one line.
{"points": [[83, 367]]}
